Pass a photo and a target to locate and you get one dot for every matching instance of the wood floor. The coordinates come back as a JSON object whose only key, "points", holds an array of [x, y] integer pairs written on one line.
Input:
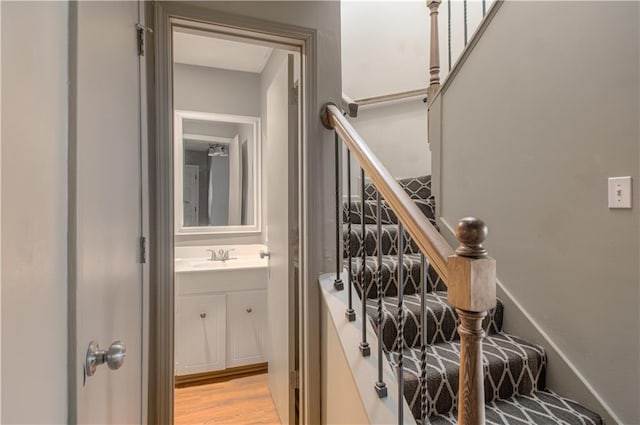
{"points": [[239, 401]]}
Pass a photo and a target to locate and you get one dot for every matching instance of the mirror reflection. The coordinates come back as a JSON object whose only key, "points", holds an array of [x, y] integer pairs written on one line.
{"points": [[218, 169]]}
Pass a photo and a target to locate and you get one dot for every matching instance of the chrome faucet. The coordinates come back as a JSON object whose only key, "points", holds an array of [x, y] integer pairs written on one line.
{"points": [[221, 255]]}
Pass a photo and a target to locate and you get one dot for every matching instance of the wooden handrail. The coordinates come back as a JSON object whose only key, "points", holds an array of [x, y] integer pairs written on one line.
{"points": [[426, 237], [391, 97], [352, 106], [469, 273]]}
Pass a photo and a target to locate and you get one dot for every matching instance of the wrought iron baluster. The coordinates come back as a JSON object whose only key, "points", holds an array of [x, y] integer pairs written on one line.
{"points": [[400, 337], [351, 313], [449, 32], [466, 26], [423, 339], [365, 349], [338, 282], [381, 387]]}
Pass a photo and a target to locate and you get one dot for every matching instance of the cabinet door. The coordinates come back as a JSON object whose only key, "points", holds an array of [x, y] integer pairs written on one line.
{"points": [[200, 334], [247, 319]]}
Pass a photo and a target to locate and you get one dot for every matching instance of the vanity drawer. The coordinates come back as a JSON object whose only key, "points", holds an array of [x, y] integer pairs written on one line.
{"points": [[200, 282]]}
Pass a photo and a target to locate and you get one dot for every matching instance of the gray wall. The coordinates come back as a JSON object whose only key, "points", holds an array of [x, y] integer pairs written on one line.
{"points": [[543, 112], [34, 212], [382, 56], [198, 88], [397, 134]]}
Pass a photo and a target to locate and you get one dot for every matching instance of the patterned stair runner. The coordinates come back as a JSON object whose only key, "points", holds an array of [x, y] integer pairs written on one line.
{"points": [[515, 370]]}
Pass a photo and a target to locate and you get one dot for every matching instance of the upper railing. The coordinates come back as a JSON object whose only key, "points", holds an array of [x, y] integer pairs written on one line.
{"points": [[469, 273], [465, 23], [351, 106]]}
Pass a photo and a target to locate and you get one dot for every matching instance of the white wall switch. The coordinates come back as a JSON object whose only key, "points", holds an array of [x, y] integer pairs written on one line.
{"points": [[619, 192]]}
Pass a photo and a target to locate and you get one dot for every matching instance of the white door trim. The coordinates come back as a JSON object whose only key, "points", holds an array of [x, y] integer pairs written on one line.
{"points": [[162, 297]]}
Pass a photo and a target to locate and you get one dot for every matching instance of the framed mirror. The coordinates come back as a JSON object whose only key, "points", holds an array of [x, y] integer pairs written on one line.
{"points": [[217, 173]]}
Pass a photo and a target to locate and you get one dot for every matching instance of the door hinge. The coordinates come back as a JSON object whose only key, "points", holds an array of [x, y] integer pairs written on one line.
{"points": [[140, 30], [294, 95], [143, 250], [294, 379]]}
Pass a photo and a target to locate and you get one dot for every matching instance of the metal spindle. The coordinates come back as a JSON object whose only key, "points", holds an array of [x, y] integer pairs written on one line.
{"points": [[365, 349], [484, 8], [449, 31], [351, 313], [338, 282], [400, 341], [381, 387], [466, 27], [423, 340]]}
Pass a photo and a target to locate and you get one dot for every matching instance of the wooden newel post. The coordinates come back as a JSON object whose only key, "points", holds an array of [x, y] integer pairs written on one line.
{"points": [[434, 50], [472, 291]]}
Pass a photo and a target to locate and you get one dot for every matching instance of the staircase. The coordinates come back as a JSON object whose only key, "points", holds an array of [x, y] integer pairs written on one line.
{"points": [[515, 390]]}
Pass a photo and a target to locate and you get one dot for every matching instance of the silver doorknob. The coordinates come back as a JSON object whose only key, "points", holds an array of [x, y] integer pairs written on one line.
{"points": [[264, 253], [203, 315], [113, 357], [249, 310]]}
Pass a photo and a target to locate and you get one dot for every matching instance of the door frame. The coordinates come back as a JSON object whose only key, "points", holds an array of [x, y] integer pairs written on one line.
{"points": [[162, 228]]}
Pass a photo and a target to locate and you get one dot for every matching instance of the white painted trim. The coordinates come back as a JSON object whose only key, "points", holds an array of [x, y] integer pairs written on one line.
{"points": [[205, 138], [178, 154]]}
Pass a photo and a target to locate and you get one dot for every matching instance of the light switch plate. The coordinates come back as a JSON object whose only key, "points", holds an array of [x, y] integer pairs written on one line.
{"points": [[620, 192]]}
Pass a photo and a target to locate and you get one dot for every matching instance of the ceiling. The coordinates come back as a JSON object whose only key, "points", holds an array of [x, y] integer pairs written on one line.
{"points": [[200, 48]]}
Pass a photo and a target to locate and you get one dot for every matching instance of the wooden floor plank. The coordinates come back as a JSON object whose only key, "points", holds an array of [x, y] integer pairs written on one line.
{"points": [[239, 401]]}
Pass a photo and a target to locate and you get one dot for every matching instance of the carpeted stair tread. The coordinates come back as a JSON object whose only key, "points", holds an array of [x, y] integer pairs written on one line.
{"points": [[512, 367], [442, 320], [539, 408], [412, 265], [370, 241]]}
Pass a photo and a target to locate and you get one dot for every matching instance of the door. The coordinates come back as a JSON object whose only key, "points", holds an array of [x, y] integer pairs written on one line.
{"points": [[190, 190], [105, 210], [281, 232]]}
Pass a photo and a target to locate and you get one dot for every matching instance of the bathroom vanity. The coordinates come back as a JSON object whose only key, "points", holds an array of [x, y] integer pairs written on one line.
{"points": [[220, 310]]}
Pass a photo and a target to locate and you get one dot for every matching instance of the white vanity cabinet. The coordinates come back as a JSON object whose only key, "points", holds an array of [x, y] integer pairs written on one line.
{"points": [[220, 320]]}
